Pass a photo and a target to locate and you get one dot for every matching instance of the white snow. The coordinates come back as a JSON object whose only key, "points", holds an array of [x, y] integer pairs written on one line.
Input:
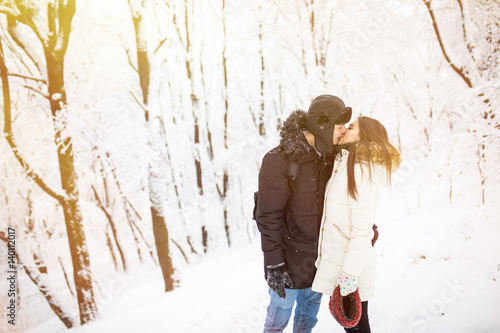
{"points": [[438, 272]]}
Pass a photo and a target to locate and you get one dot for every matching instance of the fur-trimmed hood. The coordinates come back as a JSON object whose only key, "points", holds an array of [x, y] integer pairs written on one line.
{"points": [[293, 142]]}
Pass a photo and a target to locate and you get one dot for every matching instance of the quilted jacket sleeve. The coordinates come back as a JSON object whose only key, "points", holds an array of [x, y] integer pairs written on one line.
{"points": [[363, 212], [273, 197]]}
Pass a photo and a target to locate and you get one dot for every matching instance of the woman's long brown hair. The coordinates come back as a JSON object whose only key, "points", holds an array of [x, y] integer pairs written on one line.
{"points": [[372, 139]]}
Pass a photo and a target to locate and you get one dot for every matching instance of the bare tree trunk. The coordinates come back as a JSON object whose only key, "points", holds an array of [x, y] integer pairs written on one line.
{"points": [[262, 78], [210, 148], [194, 102], [321, 36], [130, 212], [480, 155], [225, 177], [160, 230], [39, 262], [186, 42], [112, 225]]}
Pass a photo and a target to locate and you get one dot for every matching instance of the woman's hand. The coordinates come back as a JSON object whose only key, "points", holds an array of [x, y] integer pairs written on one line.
{"points": [[348, 283]]}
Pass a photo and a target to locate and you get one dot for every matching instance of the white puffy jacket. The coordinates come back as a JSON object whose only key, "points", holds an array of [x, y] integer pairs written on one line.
{"points": [[346, 228]]}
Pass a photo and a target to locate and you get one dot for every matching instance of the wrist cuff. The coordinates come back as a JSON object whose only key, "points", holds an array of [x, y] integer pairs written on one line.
{"points": [[281, 264]]}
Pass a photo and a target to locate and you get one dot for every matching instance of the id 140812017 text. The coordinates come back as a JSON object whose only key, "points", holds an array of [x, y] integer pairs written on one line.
{"points": [[11, 276]]}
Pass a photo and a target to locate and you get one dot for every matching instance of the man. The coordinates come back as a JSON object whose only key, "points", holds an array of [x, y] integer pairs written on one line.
{"points": [[289, 208]]}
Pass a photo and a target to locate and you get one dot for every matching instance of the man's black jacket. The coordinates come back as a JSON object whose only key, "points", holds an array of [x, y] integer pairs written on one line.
{"points": [[288, 214]]}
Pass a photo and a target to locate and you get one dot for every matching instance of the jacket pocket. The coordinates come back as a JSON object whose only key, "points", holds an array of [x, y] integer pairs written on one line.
{"points": [[300, 258], [305, 197], [295, 246]]}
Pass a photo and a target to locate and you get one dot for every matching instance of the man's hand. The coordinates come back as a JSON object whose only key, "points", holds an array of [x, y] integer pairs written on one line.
{"points": [[278, 279]]}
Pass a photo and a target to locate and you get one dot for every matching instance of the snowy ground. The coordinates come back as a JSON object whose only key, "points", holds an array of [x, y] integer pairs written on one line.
{"points": [[438, 272]]}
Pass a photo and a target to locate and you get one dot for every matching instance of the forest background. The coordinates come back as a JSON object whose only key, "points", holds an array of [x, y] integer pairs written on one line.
{"points": [[134, 130]]}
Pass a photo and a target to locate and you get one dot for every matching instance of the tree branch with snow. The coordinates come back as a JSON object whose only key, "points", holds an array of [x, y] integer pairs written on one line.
{"points": [[9, 135], [459, 71]]}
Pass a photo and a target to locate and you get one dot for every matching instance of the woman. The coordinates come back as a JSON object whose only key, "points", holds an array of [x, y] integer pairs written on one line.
{"points": [[345, 254]]}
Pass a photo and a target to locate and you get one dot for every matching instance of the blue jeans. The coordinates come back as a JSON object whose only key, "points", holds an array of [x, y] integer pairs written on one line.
{"points": [[280, 310]]}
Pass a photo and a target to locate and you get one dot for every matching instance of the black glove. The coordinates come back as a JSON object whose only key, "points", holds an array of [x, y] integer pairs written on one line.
{"points": [[278, 278]]}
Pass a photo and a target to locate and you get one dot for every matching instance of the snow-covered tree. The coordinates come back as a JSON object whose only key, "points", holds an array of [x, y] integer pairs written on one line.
{"points": [[50, 22], [156, 141]]}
